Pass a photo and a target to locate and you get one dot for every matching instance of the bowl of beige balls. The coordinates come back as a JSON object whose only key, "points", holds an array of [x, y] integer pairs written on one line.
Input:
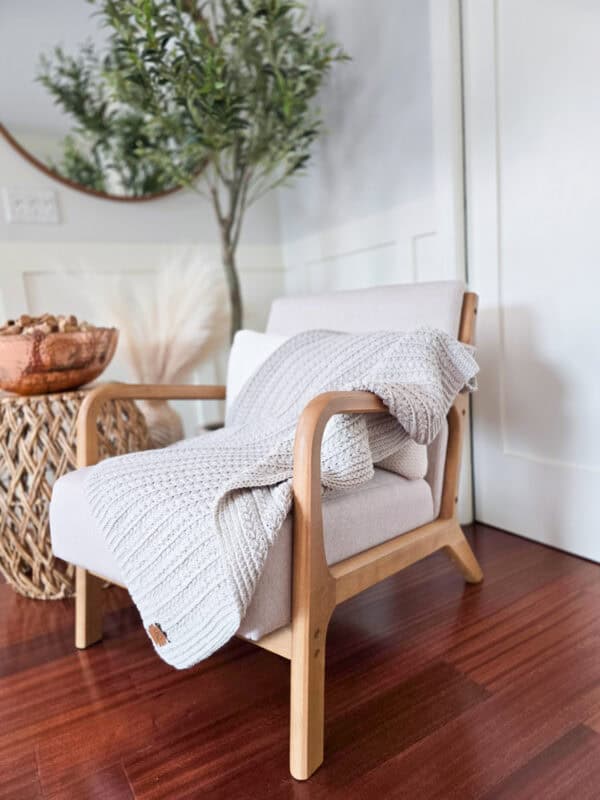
{"points": [[52, 353]]}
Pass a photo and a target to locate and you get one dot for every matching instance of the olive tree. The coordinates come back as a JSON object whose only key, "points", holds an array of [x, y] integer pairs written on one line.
{"points": [[218, 96]]}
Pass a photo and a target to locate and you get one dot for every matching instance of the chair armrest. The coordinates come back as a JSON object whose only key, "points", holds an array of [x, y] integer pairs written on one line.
{"points": [[87, 434], [309, 547], [311, 425], [310, 565]]}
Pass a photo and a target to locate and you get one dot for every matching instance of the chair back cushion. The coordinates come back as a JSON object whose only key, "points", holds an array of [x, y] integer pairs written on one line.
{"points": [[401, 307], [249, 351]]}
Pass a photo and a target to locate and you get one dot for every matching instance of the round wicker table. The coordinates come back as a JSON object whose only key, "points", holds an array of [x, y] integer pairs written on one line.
{"points": [[38, 444]]}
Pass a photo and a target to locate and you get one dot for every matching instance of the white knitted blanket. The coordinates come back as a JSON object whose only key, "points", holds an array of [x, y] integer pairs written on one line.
{"points": [[190, 526]]}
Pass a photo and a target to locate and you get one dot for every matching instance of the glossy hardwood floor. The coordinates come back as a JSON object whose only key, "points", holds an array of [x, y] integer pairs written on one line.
{"points": [[434, 690]]}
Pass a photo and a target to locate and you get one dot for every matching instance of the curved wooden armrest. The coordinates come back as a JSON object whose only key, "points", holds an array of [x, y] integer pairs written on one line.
{"points": [[87, 435], [310, 565], [313, 586], [311, 425]]}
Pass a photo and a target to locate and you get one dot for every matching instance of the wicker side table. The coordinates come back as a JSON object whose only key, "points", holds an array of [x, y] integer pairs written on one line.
{"points": [[37, 445]]}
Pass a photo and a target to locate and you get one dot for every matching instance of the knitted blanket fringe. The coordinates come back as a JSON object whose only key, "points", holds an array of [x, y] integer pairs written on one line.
{"points": [[190, 525]]}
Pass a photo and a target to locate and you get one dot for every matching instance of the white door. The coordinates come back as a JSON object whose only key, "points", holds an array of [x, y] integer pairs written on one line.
{"points": [[532, 128]]}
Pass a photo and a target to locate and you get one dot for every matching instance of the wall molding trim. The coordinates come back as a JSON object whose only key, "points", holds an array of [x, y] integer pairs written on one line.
{"points": [[380, 248], [261, 264], [61, 277]]}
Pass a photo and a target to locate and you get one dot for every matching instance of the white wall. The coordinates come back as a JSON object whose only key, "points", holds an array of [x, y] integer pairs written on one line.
{"points": [[181, 217], [373, 168], [368, 210], [378, 117]]}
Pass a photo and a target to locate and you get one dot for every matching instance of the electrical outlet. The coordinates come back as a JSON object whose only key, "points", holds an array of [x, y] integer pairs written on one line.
{"points": [[32, 206]]}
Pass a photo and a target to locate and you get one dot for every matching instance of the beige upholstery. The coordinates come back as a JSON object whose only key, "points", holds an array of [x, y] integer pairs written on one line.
{"points": [[75, 534], [402, 307], [353, 520]]}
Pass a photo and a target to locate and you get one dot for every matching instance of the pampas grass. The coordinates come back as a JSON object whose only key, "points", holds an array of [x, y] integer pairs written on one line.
{"points": [[174, 322], [169, 325]]}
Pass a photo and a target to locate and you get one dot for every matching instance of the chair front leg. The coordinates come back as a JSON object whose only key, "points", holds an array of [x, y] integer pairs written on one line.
{"points": [[307, 695], [313, 598], [89, 609], [89, 602]]}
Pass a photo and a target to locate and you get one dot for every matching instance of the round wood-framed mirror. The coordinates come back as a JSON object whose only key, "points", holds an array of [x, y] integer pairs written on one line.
{"points": [[35, 123]]}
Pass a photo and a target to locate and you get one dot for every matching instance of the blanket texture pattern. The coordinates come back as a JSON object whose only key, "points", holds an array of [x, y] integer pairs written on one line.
{"points": [[190, 525]]}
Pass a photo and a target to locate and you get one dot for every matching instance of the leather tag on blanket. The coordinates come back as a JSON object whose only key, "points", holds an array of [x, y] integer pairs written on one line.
{"points": [[158, 636]]}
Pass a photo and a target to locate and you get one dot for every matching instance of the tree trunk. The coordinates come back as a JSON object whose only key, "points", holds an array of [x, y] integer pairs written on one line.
{"points": [[233, 282]]}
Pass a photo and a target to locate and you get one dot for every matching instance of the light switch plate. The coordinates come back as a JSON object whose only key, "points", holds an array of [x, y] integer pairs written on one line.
{"points": [[31, 206]]}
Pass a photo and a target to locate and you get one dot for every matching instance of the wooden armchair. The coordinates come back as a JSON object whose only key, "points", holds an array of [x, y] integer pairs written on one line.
{"points": [[317, 586]]}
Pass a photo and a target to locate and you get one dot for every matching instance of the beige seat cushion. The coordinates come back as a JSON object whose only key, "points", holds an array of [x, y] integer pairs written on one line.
{"points": [[353, 520]]}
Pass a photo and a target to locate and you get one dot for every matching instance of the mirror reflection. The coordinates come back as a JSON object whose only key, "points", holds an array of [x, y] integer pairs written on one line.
{"points": [[48, 51]]}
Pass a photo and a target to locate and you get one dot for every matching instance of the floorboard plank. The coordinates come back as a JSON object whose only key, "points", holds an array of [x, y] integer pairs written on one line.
{"points": [[108, 784], [568, 768], [486, 744]]}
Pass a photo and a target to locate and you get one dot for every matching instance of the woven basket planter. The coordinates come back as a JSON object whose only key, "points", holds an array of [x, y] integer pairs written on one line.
{"points": [[38, 444]]}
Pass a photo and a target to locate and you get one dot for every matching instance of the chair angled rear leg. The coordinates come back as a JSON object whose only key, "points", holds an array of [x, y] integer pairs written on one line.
{"points": [[88, 609], [461, 553]]}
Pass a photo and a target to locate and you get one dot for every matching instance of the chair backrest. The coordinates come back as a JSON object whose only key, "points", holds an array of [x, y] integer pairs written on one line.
{"points": [[401, 307]]}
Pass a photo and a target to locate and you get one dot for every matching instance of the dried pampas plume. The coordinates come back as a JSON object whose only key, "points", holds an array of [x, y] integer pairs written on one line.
{"points": [[169, 325]]}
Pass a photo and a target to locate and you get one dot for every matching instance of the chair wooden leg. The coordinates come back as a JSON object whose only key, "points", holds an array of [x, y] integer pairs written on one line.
{"points": [[307, 700], [88, 609], [460, 552]]}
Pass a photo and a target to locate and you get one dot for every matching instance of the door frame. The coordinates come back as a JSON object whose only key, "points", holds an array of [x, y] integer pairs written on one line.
{"points": [[449, 177]]}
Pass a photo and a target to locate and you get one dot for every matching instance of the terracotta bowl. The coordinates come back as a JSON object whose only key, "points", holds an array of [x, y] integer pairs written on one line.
{"points": [[38, 363]]}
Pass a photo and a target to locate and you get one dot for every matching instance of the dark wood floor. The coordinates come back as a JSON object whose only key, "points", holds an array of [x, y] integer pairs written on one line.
{"points": [[434, 690]]}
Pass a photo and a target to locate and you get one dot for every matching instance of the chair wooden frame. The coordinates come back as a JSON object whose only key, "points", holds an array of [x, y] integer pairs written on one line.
{"points": [[317, 587]]}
